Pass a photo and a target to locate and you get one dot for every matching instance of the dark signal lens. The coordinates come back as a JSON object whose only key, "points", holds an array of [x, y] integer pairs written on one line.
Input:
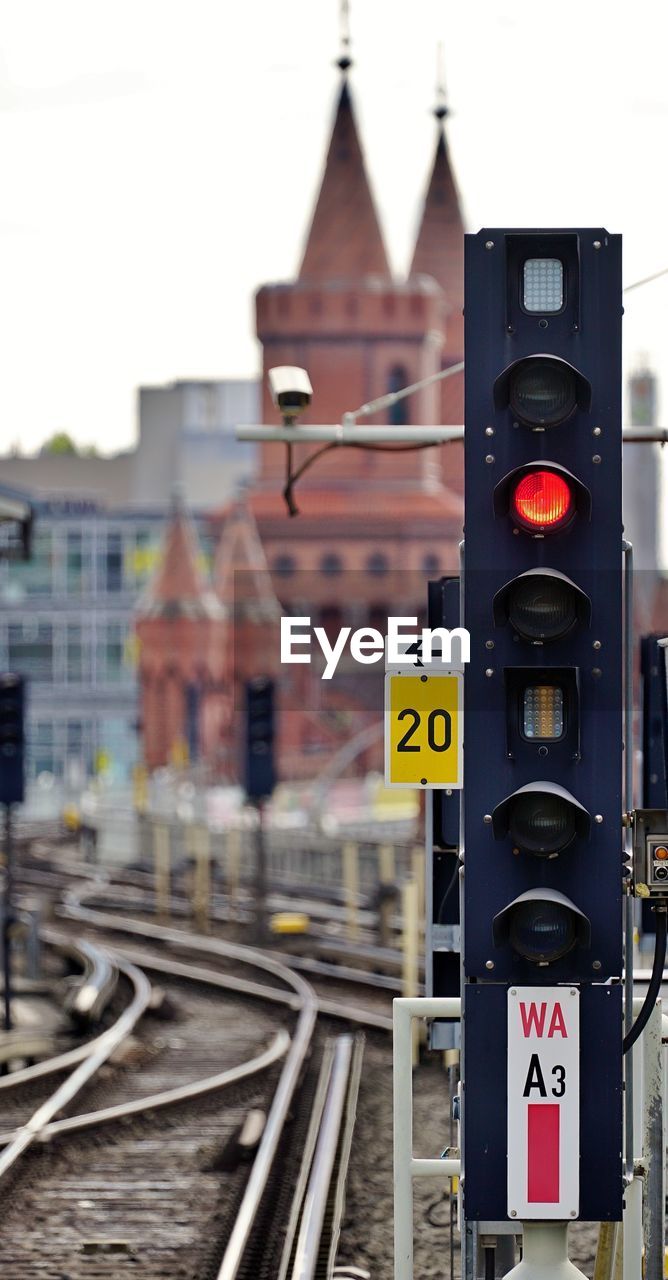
{"points": [[541, 608], [542, 931], [542, 392], [542, 501], [541, 823]]}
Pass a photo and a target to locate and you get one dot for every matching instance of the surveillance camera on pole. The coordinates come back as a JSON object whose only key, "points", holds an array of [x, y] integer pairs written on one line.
{"points": [[291, 391]]}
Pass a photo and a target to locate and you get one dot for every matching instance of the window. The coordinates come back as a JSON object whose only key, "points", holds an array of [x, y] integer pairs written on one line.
{"points": [[330, 564], [77, 663], [377, 564], [110, 653], [284, 566], [430, 563], [31, 649], [40, 745], [111, 563], [35, 576], [77, 562], [398, 413]]}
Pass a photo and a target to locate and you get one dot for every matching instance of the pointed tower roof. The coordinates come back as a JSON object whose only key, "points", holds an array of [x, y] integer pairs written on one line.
{"points": [[178, 588], [241, 574], [439, 248], [345, 240]]}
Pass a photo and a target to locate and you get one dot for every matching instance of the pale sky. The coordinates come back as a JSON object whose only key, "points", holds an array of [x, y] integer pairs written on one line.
{"points": [[160, 160]]}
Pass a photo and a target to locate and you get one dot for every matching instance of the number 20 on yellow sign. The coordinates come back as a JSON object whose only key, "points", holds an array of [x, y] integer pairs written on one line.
{"points": [[423, 730]]}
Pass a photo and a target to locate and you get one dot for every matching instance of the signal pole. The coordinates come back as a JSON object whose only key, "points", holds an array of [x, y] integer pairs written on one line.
{"points": [[12, 714], [7, 919], [260, 778]]}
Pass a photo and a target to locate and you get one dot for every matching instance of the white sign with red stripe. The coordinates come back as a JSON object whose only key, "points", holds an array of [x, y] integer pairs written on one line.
{"points": [[543, 1102]]}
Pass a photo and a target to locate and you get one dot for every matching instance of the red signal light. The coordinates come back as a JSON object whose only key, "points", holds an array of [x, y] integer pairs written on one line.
{"points": [[542, 500]]}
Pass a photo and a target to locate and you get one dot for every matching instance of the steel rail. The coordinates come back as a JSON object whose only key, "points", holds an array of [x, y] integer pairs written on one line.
{"points": [[371, 953], [232, 982], [107, 1042], [294, 1061], [99, 978], [208, 1084], [183, 940], [308, 1249], [307, 1152], [60, 1061], [167, 1097]]}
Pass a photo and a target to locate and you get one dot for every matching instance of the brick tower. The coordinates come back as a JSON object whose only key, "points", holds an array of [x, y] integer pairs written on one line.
{"points": [[374, 525], [180, 627], [357, 331]]}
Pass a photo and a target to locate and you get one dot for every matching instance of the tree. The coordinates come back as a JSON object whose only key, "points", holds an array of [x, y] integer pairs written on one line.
{"points": [[60, 442]]}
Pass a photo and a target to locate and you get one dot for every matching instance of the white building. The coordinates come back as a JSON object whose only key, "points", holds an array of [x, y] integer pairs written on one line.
{"points": [[186, 440]]}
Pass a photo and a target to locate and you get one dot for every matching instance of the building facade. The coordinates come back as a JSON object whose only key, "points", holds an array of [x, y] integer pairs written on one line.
{"points": [[67, 624]]}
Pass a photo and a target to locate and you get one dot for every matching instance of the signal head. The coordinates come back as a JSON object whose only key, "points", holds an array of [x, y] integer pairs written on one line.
{"points": [[542, 925], [542, 391], [541, 605], [542, 818]]}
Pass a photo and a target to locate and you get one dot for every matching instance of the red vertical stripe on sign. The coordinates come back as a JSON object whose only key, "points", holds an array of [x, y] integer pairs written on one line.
{"points": [[543, 1153]]}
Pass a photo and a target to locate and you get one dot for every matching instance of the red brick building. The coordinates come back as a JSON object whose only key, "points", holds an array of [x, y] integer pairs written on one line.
{"points": [[374, 524]]}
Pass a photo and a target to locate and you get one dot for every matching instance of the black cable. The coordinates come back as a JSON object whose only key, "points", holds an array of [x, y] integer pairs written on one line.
{"points": [[654, 982], [432, 1217], [293, 476], [448, 889]]}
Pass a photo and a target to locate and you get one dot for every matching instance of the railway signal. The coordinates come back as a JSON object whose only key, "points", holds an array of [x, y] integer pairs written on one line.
{"points": [[12, 738], [259, 764], [543, 714], [12, 742]]}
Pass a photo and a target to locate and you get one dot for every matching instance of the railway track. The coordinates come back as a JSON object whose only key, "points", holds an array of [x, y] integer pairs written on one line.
{"points": [[145, 1179]]}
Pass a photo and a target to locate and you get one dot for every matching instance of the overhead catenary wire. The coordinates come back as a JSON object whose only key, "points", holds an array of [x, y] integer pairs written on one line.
{"points": [[656, 275], [656, 435]]}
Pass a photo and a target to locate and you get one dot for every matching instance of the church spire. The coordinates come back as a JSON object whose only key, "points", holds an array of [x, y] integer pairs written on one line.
{"points": [[344, 241], [178, 588], [439, 248], [344, 61]]}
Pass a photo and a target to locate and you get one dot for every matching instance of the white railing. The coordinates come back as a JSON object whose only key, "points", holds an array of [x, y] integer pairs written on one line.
{"points": [[406, 1166], [644, 1197]]}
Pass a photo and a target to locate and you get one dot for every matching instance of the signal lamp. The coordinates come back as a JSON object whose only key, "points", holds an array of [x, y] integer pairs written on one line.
{"points": [[542, 500], [541, 605], [543, 713], [541, 818], [542, 926], [543, 285], [542, 391]]}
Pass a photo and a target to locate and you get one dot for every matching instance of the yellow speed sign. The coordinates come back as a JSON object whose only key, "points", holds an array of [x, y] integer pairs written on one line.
{"points": [[423, 730]]}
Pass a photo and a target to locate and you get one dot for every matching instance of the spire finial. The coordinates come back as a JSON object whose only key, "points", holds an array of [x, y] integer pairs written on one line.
{"points": [[344, 61], [441, 110]]}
